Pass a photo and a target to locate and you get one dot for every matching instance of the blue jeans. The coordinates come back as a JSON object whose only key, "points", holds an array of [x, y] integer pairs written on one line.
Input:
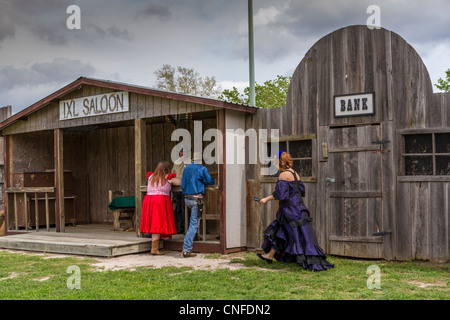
{"points": [[193, 225]]}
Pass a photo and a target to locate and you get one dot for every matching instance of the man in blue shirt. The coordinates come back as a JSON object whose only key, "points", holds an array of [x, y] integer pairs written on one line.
{"points": [[195, 177]]}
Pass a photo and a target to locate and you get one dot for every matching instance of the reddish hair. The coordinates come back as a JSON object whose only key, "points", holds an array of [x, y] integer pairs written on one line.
{"points": [[285, 161], [158, 177]]}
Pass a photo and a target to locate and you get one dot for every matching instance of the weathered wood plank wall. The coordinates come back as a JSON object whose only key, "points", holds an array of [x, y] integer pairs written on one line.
{"points": [[356, 60], [253, 176], [111, 160], [34, 152]]}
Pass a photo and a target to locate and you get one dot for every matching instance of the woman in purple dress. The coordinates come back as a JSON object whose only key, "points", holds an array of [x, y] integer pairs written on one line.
{"points": [[290, 237]]}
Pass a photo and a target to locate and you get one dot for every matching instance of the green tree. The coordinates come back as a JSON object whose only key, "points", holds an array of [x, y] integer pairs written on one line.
{"points": [[444, 85], [186, 80], [272, 94]]}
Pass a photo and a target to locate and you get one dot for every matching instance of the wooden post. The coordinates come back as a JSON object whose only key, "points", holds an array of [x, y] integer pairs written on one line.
{"points": [[222, 182], [36, 211], [46, 212], [59, 182], [26, 210], [2, 224], [16, 218], [7, 153], [139, 167]]}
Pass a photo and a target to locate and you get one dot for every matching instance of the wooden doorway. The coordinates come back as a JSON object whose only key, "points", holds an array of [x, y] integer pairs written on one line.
{"points": [[355, 197]]}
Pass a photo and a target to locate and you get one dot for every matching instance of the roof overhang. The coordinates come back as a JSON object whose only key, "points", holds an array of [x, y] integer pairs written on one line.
{"points": [[123, 87]]}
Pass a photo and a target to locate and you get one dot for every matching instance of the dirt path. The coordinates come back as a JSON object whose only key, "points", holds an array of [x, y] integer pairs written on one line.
{"points": [[170, 258]]}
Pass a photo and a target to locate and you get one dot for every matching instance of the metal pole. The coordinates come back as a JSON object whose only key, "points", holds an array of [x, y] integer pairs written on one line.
{"points": [[251, 53]]}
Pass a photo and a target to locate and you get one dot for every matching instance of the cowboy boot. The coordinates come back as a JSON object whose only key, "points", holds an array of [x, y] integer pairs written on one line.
{"points": [[155, 248]]}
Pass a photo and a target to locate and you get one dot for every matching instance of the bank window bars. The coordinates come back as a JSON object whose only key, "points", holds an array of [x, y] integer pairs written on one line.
{"points": [[427, 154]]}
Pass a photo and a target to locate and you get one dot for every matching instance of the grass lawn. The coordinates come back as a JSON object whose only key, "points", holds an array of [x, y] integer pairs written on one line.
{"points": [[32, 277]]}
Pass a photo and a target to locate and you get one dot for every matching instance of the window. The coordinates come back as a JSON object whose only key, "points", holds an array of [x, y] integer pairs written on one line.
{"points": [[301, 152], [427, 154]]}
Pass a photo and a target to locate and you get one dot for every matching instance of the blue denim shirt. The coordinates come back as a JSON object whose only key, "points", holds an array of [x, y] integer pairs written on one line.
{"points": [[195, 177]]}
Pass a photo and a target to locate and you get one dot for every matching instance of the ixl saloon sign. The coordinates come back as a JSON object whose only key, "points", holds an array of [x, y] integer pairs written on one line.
{"points": [[350, 105], [94, 106]]}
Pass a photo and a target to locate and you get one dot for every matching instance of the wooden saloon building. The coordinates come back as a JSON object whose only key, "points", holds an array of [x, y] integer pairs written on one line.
{"points": [[367, 134], [93, 136]]}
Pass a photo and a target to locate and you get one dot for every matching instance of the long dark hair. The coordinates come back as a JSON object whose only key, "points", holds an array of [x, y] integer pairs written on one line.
{"points": [[159, 175]]}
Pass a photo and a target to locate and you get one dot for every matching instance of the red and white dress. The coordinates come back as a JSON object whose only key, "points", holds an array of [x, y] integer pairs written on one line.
{"points": [[157, 211]]}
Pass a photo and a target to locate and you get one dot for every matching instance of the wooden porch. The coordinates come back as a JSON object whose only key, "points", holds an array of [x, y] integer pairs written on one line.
{"points": [[94, 240], [89, 240]]}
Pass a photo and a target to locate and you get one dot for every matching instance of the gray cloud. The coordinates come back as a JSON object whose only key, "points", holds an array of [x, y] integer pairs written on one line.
{"points": [[282, 29], [43, 18], [6, 29], [161, 12], [46, 20], [60, 70], [113, 32], [119, 33], [415, 19], [49, 33]]}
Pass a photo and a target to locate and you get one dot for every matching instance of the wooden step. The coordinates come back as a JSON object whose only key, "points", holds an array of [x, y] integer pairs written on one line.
{"points": [[77, 244]]}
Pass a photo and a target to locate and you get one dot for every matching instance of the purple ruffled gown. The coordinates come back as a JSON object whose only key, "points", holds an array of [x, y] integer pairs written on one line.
{"points": [[291, 233]]}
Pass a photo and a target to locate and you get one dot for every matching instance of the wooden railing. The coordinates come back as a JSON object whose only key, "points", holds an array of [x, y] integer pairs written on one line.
{"points": [[23, 191]]}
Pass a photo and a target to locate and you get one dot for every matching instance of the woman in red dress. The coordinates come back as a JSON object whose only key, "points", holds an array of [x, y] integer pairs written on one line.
{"points": [[157, 212]]}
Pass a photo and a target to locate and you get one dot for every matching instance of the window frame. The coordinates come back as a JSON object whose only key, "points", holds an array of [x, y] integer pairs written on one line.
{"points": [[433, 154], [287, 140]]}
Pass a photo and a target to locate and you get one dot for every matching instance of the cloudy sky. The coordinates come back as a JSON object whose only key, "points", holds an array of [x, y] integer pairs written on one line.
{"points": [[128, 40]]}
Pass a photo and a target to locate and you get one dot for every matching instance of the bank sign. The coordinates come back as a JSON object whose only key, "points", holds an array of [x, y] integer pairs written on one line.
{"points": [[349, 105], [98, 105]]}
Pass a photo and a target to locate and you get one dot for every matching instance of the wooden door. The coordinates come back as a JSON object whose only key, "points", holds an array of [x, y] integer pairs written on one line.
{"points": [[355, 197]]}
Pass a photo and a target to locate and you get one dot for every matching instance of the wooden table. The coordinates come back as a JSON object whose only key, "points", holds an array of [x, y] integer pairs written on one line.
{"points": [[125, 205]]}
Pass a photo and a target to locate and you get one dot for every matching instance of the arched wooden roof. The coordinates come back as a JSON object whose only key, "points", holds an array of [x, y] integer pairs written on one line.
{"points": [[356, 59]]}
